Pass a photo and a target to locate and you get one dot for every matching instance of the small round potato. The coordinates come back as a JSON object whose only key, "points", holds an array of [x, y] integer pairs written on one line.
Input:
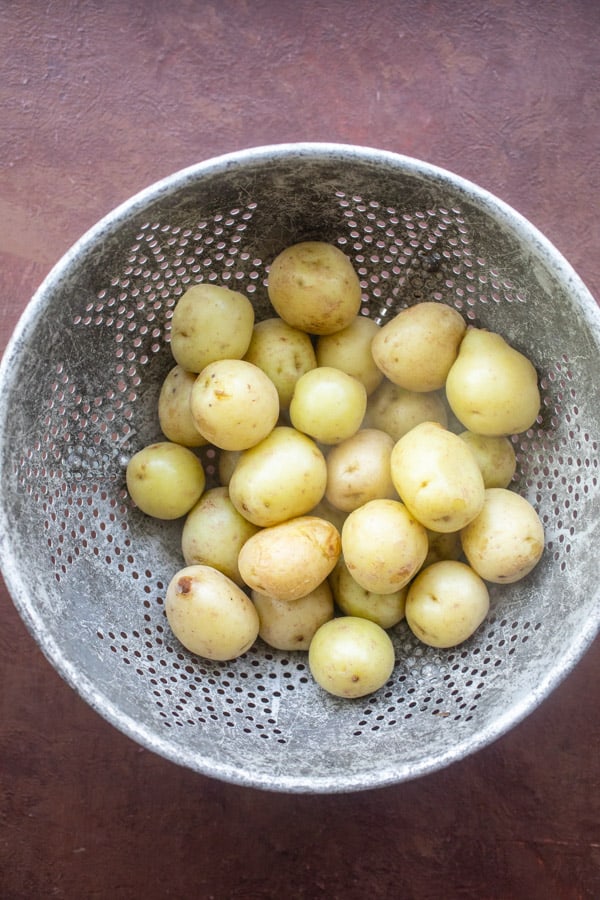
{"points": [[495, 457], [209, 614], [165, 480], [350, 351], [284, 353], [210, 322], [358, 470], [292, 624], [282, 477], [396, 411], [313, 287], [234, 404], [437, 477], [351, 657], [442, 546], [214, 533], [174, 414], [228, 460], [417, 347], [354, 600], [506, 540], [383, 545], [328, 405], [291, 559], [446, 604]]}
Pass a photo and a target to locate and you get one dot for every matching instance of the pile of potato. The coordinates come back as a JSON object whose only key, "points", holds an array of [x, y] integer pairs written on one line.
{"points": [[364, 472]]}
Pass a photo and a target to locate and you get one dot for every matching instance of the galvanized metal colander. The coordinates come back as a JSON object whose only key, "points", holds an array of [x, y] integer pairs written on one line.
{"points": [[79, 384]]}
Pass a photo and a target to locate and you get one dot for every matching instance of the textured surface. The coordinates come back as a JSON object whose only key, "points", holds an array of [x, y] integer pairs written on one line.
{"points": [[505, 98]]}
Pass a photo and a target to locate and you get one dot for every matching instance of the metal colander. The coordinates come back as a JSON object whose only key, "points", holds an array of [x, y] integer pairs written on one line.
{"points": [[79, 385]]}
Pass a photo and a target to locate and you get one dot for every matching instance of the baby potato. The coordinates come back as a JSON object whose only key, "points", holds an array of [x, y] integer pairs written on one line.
{"points": [[328, 405], [292, 624], [313, 287], [446, 604], [284, 353], [209, 614], [506, 540], [418, 346], [234, 404], [442, 546], [210, 322], [358, 470], [291, 559], [383, 545], [282, 477], [165, 480], [228, 460], [214, 533], [437, 477], [354, 600], [395, 410], [324, 510], [351, 657], [495, 457], [174, 415], [350, 351]]}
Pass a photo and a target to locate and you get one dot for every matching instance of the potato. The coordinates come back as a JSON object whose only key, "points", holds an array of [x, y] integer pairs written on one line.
{"points": [[495, 457], [396, 411], [291, 559], [446, 604], [383, 545], [282, 477], [351, 657], [234, 404], [506, 540], [437, 477], [492, 388], [292, 624], [350, 351], [214, 533], [324, 510], [313, 287], [210, 323], [328, 405], [209, 614], [354, 600], [418, 346], [165, 480], [284, 353], [358, 470], [228, 460], [174, 414], [442, 546]]}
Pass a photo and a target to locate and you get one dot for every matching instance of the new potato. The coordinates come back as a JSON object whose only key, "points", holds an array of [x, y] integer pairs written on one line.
{"points": [[396, 410], [350, 351], [351, 657], [165, 480], [354, 600], [495, 457], [292, 624], [358, 470], [328, 405], [174, 414], [284, 353]]}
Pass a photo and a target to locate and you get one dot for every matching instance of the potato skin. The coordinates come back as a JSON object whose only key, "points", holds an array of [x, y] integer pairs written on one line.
{"points": [[446, 603], [292, 624], [313, 286], [291, 559]]}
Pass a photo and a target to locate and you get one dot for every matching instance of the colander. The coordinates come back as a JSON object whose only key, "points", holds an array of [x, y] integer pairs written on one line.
{"points": [[79, 384]]}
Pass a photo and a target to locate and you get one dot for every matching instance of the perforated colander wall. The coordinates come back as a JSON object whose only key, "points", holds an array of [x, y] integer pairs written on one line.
{"points": [[110, 565]]}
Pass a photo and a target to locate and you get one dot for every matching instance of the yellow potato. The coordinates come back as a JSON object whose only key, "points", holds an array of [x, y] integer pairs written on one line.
{"points": [[354, 600], [284, 353], [506, 540], [292, 624], [358, 470], [313, 287], [495, 457], [282, 477], [228, 460], [210, 322], [328, 405], [214, 533], [209, 614], [383, 545], [442, 546], [418, 346], [396, 411], [291, 559], [234, 404], [350, 351], [437, 477], [492, 388], [174, 415], [351, 657], [446, 604], [165, 480]]}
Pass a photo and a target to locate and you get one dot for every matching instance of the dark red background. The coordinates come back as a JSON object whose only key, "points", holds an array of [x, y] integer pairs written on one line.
{"points": [[100, 99]]}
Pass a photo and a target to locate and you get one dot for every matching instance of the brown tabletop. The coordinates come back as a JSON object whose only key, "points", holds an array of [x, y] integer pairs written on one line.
{"points": [[98, 100]]}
